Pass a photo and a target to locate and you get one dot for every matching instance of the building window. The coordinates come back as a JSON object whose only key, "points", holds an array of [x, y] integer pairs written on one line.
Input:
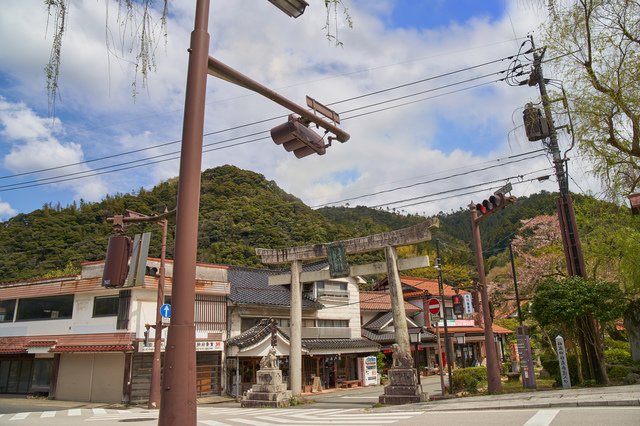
{"points": [[449, 313], [308, 323], [332, 323], [7, 308], [247, 323], [332, 289], [40, 308], [124, 301], [105, 306]]}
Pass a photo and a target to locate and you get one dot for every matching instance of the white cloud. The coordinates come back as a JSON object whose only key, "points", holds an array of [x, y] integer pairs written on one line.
{"points": [[291, 57], [35, 147]]}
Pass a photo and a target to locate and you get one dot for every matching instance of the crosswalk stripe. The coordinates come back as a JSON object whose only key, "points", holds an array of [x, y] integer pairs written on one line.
{"points": [[74, 412], [212, 423], [20, 416], [98, 411], [47, 414], [542, 418], [124, 411], [251, 422]]}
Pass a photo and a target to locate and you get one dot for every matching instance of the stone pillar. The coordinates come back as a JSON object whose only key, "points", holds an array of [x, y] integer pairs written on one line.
{"points": [[397, 301], [295, 347]]}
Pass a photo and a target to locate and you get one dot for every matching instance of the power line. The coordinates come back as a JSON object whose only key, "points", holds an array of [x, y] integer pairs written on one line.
{"points": [[279, 117]]}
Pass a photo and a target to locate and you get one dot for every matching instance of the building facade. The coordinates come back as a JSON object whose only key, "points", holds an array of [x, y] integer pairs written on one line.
{"points": [[72, 339]]}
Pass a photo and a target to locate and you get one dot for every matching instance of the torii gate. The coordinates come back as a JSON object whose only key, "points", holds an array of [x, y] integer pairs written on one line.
{"points": [[336, 252]]}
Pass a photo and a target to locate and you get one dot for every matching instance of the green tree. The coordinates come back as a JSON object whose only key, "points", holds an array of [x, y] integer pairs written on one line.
{"points": [[561, 301], [596, 44]]}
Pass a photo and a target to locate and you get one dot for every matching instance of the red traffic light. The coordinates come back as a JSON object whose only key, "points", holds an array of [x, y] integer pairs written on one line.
{"points": [[295, 136], [492, 204]]}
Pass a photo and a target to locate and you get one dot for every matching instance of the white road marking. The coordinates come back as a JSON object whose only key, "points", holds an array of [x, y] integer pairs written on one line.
{"points": [[542, 418], [47, 414], [20, 416], [98, 411], [75, 412]]}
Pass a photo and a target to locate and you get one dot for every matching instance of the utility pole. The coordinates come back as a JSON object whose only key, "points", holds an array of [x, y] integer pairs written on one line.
{"points": [[447, 350], [567, 219], [493, 365], [156, 366]]}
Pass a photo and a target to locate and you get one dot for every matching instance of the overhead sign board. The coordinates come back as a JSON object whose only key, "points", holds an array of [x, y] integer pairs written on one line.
{"points": [[467, 301]]}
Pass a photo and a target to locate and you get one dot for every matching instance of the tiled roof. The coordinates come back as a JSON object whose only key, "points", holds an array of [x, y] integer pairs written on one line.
{"points": [[418, 286], [381, 320], [40, 343], [13, 351], [250, 286], [93, 348], [262, 331], [381, 301], [255, 335], [386, 338]]}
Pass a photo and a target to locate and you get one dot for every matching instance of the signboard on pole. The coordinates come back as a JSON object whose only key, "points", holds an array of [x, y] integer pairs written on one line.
{"points": [[434, 306], [165, 311], [467, 302]]}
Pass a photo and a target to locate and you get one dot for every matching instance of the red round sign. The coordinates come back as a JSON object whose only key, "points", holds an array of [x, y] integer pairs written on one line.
{"points": [[434, 306]]}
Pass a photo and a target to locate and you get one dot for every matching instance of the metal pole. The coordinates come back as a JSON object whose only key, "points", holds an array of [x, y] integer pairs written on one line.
{"points": [[156, 367], [447, 350], [178, 406], [515, 283], [493, 365], [442, 388]]}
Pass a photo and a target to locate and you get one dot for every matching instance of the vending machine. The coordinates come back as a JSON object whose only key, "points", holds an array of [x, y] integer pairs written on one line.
{"points": [[368, 371]]}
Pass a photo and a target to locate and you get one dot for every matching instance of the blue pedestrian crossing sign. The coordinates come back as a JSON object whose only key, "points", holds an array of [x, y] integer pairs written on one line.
{"points": [[165, 311]]}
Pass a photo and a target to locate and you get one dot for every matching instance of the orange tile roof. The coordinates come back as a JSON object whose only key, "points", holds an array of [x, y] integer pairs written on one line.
{"points": [[381, 301], [93, 348]]}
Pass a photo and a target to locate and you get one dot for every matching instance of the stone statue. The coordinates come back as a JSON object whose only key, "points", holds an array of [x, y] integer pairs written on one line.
{"points": [[401, 359], [269, 361]]}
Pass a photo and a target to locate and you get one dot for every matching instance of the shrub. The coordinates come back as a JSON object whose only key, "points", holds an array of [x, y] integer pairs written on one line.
{"points": [[617, 356], [618, 372], [617, 344], [552, 366], [478, 373], [468, 379], [506, 367]]}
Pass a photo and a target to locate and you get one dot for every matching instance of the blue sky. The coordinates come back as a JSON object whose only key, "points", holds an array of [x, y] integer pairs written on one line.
{"points": [[102, 141]]}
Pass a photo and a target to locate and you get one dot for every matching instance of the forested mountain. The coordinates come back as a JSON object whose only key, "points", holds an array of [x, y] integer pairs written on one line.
{"points": [[239, 211]]}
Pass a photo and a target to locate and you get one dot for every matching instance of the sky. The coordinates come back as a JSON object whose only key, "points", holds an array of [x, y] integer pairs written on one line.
{"points": [[416, 84]]}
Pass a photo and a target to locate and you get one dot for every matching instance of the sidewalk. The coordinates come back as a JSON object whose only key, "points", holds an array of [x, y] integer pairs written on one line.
{"points": [[616, 396]]}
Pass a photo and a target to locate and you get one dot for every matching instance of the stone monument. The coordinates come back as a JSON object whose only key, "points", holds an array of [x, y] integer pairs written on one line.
{"points": [[269, 391], [404, 383]]}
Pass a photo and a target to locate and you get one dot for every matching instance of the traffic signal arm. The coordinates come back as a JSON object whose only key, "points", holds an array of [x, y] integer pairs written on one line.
{"points": [[494, 204]]}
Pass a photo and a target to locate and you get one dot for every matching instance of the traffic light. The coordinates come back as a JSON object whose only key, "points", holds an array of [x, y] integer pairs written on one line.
{"points": [[457, 304], [295, 136], [491, 205], [116, 265], [535, 125]]}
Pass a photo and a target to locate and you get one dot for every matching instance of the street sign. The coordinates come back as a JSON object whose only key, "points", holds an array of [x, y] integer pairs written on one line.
{"points": [[165, 310], [467, 301], [434, 306]]}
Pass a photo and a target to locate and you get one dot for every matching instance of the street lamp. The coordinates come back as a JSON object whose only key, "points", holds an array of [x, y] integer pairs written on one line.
{"points": [[460, 338], [293, 8]]}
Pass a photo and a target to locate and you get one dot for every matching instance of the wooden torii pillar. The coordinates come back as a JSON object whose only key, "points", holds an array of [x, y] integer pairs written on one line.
{"points": [[388, 241]]}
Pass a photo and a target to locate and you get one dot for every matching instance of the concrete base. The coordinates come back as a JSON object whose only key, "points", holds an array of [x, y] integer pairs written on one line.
{"points": [[404, 388], [268, 392]]}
